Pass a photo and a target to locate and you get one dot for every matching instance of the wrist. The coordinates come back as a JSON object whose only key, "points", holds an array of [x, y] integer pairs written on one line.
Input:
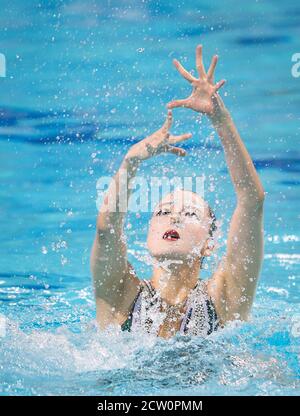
{"points": [[130, 163], [220, 114]]}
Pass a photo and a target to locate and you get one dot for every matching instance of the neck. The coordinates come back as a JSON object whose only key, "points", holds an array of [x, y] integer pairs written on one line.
{"points": [[174, 279]]}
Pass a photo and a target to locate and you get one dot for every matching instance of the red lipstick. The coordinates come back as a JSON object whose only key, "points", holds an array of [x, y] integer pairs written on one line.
{"points": [[171, 235]]}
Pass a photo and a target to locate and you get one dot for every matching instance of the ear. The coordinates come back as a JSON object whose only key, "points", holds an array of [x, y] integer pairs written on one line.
{"points": [[208, 248]]}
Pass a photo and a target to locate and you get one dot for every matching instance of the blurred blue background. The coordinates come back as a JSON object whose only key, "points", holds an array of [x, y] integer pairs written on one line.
{"points": [[85, 80]]}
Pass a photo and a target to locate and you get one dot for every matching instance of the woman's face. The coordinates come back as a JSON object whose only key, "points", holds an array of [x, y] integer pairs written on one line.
{"points": [[179, 226]]}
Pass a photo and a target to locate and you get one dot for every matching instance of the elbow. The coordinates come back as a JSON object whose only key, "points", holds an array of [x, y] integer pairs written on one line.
{"points": [[109, 222], [254, 199], [260, 197], [104, 224], [102, 221]]}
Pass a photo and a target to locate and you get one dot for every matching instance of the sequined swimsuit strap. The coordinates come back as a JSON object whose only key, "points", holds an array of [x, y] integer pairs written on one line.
{"points": [[208, 308], [126, 326]]}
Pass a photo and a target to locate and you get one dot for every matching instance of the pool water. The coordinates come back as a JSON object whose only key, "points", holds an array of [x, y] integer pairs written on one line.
{"points": [[86, 80]]}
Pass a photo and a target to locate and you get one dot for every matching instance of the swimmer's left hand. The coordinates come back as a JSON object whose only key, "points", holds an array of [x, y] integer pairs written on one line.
{"points": [[161, 141], [204, 89]]}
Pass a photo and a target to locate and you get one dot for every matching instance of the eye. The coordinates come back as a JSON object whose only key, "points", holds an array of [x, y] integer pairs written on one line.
{"points": [[163, 212], [190, 214]]}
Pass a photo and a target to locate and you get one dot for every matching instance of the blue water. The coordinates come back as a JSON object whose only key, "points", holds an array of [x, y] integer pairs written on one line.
{"points": [[84, 81]]}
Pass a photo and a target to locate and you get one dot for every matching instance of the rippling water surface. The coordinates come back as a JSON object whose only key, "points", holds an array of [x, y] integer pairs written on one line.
{"points": [[84, 81]]}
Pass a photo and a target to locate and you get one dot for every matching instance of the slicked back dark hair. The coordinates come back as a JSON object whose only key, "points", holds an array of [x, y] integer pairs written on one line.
{"points": [[212, 228], [213, 225]]}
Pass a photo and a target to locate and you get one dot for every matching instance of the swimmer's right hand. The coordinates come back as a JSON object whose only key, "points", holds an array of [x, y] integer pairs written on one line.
{"points": [[203, 97], [160, 141]]}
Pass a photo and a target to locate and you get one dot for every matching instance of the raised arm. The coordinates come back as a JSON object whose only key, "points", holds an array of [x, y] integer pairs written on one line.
{"points": [[112, 273], [115, 281], [233, 284]]}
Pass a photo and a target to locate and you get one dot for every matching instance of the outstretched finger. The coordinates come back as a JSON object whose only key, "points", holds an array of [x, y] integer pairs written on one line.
{"points": [[181, 138], [219, 85], [176, 151], [199, 62], [178, 103], [211, 70], [168, 123], [184, 72]]}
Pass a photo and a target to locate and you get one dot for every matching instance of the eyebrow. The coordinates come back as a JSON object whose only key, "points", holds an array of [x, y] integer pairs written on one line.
{"points": [[185, 207], [166, 203]]}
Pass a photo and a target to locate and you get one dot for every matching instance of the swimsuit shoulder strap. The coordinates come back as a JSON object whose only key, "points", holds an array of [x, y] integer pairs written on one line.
{"points": [[126, 326], [150, 288], [213, 319], [201, 307]]}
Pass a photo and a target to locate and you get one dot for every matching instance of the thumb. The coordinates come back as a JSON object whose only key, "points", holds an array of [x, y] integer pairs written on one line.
{"points": [[178, 103], [176, 151], [219, 85]]}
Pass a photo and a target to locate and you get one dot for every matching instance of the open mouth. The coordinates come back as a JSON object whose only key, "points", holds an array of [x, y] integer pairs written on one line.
{"points": [[171, 235]]}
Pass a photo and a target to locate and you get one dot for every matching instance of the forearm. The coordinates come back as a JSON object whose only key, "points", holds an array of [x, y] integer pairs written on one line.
{"points": [[109, 264], [242, 171], [114, 207]]}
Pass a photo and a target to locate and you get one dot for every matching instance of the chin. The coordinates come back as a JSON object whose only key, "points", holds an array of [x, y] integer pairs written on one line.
{"points": [[171, 254]]}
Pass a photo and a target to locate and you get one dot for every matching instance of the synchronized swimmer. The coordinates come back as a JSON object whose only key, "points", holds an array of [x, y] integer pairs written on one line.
{"points": [[183, 231]]}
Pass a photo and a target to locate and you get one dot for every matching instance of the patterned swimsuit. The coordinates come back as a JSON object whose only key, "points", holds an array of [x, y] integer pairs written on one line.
{"points": [[200, 317]]}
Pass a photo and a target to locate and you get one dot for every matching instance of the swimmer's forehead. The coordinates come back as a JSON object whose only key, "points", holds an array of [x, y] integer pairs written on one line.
{"points": [[182, 200]]}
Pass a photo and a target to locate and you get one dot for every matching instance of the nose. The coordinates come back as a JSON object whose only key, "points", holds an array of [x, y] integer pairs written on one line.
{"points": [[175, 217]]}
